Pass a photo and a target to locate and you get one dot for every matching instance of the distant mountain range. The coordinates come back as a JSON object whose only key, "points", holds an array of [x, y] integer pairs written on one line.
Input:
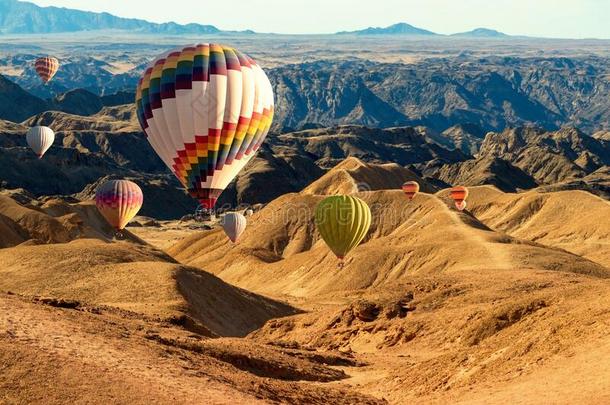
{"points": [[408, 29], [20, 17], [492, 93]]}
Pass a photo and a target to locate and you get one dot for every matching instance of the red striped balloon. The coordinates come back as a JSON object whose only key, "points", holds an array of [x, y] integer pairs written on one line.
{"points": [[119, 201], [410, 188], [46, 67], [459, 194]]}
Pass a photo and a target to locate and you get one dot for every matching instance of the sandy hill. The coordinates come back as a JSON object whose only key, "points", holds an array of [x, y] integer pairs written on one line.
{"points": [[102, 354], [281, 252], [443, 306], [436, 306], [353, 175], [63, 250], [574, 220]]}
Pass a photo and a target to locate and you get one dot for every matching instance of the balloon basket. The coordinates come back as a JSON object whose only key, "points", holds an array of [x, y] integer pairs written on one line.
{"points": [[118, 235]]}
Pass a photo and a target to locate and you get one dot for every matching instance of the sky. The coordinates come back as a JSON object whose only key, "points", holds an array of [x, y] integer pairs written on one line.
{"points": [[541, 18]]}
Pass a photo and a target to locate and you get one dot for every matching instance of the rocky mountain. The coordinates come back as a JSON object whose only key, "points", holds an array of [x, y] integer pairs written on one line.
{"points": [[20, 17], [491, 93], [402, 145], [521, 158], [395, 29], [481, 33], [17, 104], [109, 144], [96, 75]]}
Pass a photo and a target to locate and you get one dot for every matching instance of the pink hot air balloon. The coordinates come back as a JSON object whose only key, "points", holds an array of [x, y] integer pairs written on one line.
{"points": [[119, 201]]}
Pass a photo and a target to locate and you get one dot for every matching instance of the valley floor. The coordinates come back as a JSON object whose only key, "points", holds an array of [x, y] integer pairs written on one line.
{"points": [[175, 314]]}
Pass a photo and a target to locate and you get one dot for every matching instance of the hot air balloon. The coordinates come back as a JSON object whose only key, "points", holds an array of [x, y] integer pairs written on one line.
{"points": [[40, 139], [205, 109], [410, 188], [234, 224], [119, 201], [343, 221], [459, 195], [46, 67]]}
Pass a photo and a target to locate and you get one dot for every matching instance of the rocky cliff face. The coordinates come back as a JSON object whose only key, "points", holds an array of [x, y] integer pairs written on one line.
{"points": [[491, 93], [520, 158]]}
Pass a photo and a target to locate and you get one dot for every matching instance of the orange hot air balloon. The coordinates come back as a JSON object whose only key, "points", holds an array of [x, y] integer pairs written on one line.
{"points": [[46, 67], [459, 195], [410, 188]]}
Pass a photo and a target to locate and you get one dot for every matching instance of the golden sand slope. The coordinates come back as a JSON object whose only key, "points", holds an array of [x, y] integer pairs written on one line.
{"points": [[63, 250], [353, 175], [136, 278], [574, 220], [95, 354], [442, 307], [281, 253]]}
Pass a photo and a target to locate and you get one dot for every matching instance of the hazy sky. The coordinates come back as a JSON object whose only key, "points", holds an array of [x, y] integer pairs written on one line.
{"points": [[545, 18]]}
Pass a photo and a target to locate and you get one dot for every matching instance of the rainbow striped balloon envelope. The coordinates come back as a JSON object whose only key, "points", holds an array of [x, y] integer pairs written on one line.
{"points": [[205, 109], [119, 201]]}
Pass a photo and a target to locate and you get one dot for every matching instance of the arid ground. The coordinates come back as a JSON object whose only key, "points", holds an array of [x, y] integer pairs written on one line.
{"points": [[506, 302]]}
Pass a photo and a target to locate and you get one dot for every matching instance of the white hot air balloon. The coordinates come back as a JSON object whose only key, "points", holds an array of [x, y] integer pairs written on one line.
{"points": [[234, 224], [205, 109], [40, 139]]}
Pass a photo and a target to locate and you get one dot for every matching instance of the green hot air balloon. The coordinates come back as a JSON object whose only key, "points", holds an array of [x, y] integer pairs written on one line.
{"points": [[343, 221]]}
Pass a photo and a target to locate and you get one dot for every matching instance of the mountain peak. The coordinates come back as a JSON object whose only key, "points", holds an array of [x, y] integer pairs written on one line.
{"points": [[401, 28], [481, 33]]}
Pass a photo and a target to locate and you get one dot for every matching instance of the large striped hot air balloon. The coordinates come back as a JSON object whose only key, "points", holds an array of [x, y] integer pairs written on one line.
{"points": [[206, 110], [343, 221], [119, 201], [46, 67], [234, 224], [410, 188], [40, 139], [459, 195]]}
